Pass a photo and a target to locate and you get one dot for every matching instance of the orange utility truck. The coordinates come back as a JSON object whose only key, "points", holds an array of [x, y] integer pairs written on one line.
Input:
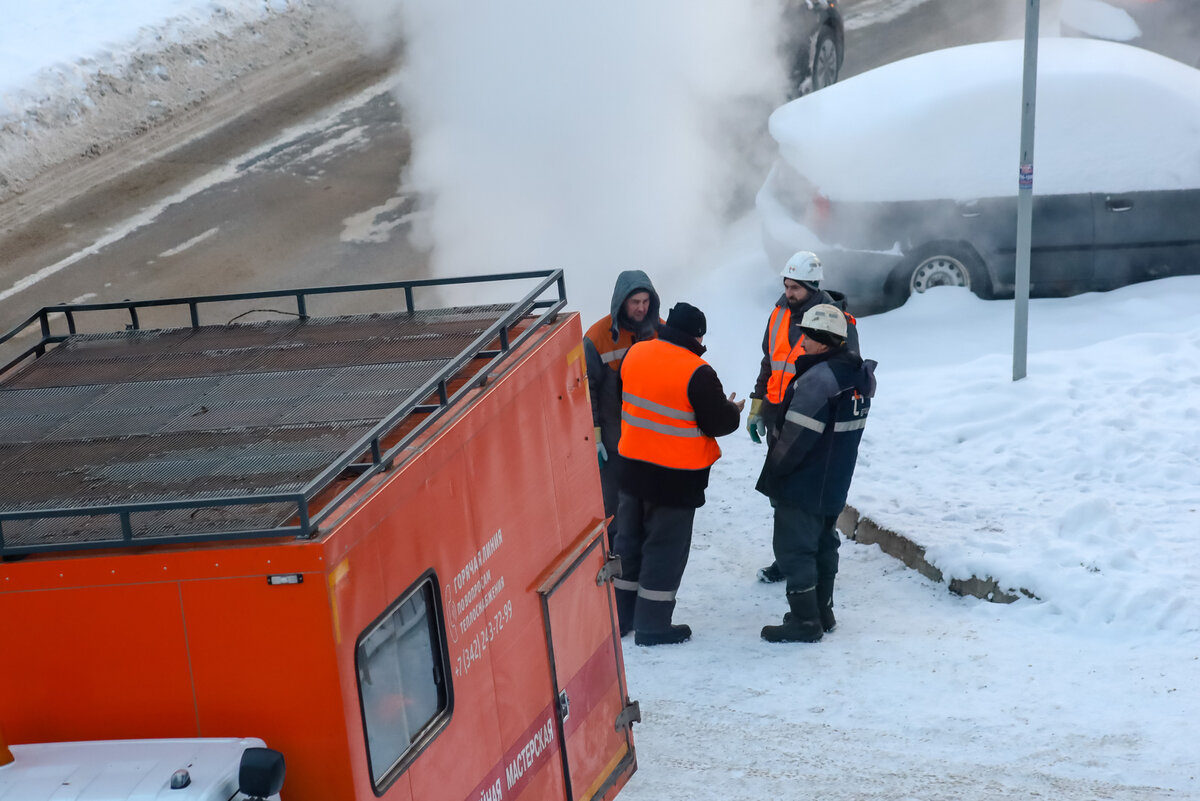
{"points": [[371, 540]]}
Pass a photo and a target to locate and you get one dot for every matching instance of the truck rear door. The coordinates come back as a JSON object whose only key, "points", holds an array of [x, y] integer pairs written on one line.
{"points": [[594, 712]]}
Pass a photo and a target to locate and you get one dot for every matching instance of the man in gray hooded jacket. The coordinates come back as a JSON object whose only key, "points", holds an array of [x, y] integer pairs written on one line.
{"points": [[633, 318]]}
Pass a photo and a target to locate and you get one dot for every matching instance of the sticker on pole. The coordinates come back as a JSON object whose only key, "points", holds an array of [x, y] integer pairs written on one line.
{"points": [[1025, 177]]}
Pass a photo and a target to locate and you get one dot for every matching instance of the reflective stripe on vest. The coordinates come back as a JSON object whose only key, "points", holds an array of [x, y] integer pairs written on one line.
{"points": [[658, 423], [611, 353], [783, 354], [614, 356]]}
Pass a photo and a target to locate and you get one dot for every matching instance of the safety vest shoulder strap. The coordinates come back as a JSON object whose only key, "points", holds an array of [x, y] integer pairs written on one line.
{"points": [[782, 353]]}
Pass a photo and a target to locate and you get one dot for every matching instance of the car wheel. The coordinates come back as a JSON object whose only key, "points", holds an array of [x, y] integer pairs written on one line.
{"points": [[825, 61], [941, 264]]}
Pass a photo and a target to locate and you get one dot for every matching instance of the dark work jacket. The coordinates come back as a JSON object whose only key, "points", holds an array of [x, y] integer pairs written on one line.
{"points": [[812, 460], [716, 416], [770, 411]]}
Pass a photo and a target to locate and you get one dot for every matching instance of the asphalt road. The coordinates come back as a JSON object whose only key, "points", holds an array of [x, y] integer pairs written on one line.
{"points": [[326, 206]]}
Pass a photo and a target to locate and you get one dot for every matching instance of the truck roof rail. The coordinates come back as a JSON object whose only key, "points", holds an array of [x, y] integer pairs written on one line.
{"points": [[192, 431]]}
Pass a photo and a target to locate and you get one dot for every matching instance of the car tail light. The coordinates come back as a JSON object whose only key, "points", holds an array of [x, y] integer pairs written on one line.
{"points": [[818, 212]]}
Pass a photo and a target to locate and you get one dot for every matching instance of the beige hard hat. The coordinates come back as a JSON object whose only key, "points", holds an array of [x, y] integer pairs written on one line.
{"points": [[825, 318]]}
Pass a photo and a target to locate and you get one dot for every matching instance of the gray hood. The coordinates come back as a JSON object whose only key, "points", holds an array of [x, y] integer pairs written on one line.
{"points": [[628, 282]]}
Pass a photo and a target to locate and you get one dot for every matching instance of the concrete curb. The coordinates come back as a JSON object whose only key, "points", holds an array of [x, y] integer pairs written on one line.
{"points": [[866, 531]]}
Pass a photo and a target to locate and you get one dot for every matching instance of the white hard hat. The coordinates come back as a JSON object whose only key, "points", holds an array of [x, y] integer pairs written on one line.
{"points": [[804, 267], [825, 317]]}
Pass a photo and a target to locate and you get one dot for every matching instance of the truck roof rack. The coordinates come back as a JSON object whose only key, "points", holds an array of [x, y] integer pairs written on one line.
{"points": [[144, 436]]}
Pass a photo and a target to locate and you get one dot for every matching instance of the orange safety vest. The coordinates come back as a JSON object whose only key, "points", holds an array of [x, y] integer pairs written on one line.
{"points": [[784, 354], [658, 423], [611, 353]]}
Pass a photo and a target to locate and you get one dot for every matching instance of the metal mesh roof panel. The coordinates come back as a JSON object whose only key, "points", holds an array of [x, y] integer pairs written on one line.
{"points": [[171, 417]]}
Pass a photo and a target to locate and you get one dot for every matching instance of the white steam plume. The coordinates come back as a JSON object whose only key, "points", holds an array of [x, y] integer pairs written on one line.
{"points": [[595, 137]]}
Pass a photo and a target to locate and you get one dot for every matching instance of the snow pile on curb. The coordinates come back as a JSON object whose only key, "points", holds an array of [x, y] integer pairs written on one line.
{"points": [[81, 109]]}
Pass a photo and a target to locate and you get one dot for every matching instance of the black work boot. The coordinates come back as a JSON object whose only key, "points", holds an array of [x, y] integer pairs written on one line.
{"points": [[802, 624], [626, 604], [770, 574], [825, 603], [678, 633]]}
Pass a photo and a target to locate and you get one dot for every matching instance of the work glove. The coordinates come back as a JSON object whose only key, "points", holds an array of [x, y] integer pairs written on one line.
{"points": [[755, 425], [601, 451]]}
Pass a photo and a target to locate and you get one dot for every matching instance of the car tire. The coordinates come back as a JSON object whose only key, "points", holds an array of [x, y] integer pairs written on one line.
{"points": [[824, 61], [940, 264]]}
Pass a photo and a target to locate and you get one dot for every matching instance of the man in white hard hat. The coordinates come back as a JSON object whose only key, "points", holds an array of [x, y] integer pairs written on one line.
{"points": [[808, 470], [783, 341]]}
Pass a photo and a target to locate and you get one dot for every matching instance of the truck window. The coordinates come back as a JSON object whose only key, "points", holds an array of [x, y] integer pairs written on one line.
{"points": [[403, 681]]}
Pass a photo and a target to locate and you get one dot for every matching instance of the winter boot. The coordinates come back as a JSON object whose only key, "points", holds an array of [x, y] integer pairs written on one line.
{"points": [[770, 574], [676, 634], [825, 603], [802, 624]]}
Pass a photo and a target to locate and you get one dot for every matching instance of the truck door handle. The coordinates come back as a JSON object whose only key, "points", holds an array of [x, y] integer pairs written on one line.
{"points": [[1118, 204]]}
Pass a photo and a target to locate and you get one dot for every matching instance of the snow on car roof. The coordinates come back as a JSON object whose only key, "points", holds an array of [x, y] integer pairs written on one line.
{"points": [[946, 124]]}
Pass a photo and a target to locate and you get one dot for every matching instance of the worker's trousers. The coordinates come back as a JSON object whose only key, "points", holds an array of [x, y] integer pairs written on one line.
{"points": [[806, 546], [653, 542]]}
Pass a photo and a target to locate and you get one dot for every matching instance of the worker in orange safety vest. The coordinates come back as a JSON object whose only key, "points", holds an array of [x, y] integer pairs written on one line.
{"points": [[633, 318], [782, 342], [673, 409]]}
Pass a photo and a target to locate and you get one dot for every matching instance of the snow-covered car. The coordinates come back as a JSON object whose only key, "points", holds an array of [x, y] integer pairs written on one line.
{"points": [[815, 40], [905, 177], [1170, 27]]}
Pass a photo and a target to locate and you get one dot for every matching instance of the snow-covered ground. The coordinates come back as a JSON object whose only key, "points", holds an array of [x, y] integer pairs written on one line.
{"points": [[1078, 484]]}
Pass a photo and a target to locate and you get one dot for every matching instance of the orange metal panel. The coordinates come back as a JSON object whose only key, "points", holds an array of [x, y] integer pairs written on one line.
{"points": [[263, 665], [193, 641], [484, 503], [586, 668], [74, 668], [100, 568]]}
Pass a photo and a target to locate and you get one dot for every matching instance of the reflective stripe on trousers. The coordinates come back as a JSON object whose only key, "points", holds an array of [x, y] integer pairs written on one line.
{"points": [[654, 542], [805, 421], [642, 592]]}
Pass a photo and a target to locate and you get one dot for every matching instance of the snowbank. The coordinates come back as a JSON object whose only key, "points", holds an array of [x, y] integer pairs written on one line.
{"points": [[57, 107]]}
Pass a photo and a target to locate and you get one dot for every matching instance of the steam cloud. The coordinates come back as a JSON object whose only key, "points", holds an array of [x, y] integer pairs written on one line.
{"points": [[595, 137]]}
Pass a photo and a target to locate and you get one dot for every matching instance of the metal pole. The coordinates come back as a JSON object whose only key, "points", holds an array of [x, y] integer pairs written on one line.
{"points": [[1025, 192]]}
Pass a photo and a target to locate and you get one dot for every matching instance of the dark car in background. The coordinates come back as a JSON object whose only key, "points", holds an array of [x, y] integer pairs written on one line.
{"points": [[815, 42], [1169, 27], [905, 177]]}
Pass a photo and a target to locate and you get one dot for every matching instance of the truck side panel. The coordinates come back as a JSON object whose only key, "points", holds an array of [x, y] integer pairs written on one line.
{"points": [[263, 662], [185, 641], [491, 501], [585, 664], [122, 653], [76, 667]]}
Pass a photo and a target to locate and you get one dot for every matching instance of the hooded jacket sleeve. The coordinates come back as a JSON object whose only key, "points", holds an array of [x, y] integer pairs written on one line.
{"points": [[597, 374], [806, 418], [716, 415]]}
